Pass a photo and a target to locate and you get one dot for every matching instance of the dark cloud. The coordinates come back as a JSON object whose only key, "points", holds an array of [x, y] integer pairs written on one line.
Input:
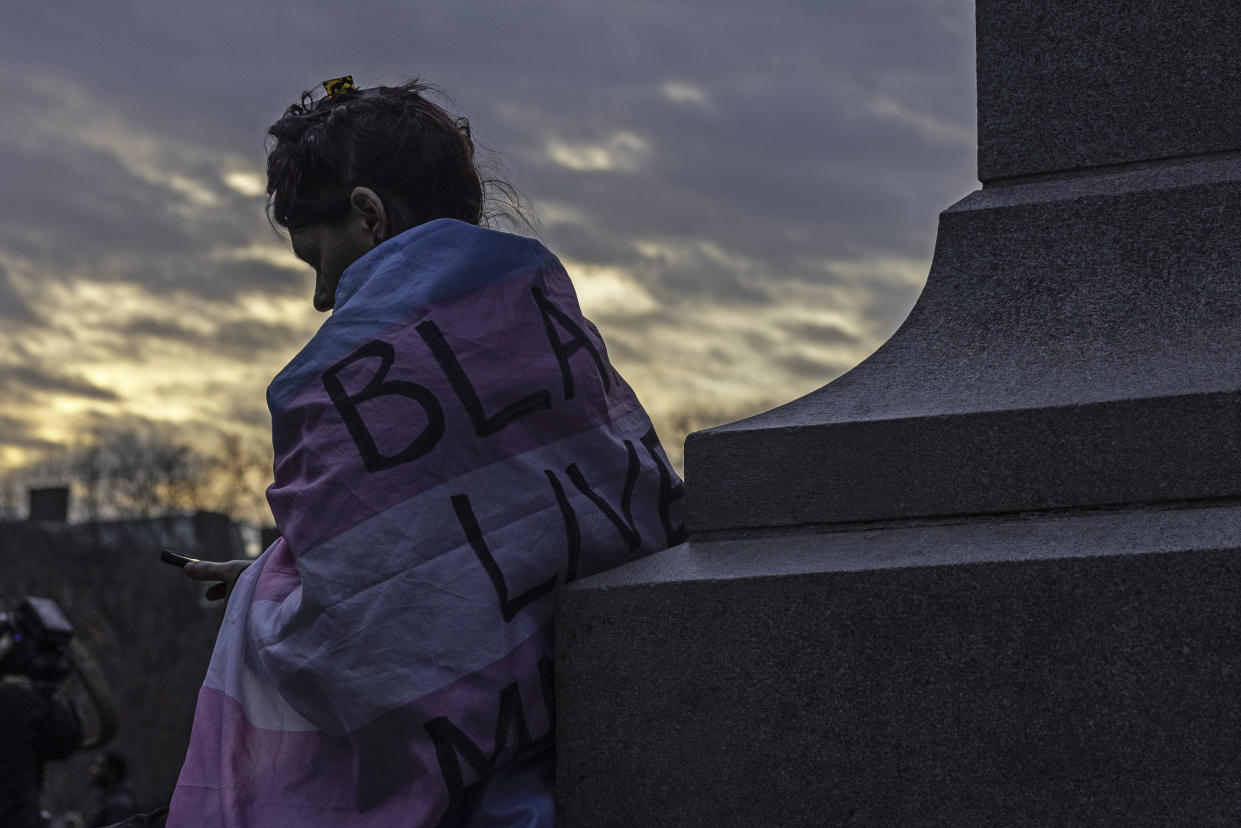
{"points": [[239, 338], [216, 281], [818, 132], [800, 365], [14, 309], [17, 382], [17, 433], [69, 204], [758, 341], [785, 148], [261, 277], [255, 416], [253, 336], [160, 328], [822, 334], [13, 430]]}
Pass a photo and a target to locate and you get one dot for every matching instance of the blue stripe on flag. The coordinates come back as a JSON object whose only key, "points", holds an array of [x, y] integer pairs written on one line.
{"points": [[427, 263]]}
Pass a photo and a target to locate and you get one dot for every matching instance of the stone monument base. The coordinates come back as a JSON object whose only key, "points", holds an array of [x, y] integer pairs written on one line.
{"points": [[1038, 669]]}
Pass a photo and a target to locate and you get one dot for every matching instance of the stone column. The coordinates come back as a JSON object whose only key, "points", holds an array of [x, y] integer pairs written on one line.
{"points": [[991, 575]]}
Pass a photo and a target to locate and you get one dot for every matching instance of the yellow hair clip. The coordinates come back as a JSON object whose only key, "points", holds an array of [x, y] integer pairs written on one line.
{"points": [[339, 86]]}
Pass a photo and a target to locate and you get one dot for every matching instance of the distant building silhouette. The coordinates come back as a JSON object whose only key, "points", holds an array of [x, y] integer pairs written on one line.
{"points": [[208, 535], [268, 535], [145, 623], [50, 504]]}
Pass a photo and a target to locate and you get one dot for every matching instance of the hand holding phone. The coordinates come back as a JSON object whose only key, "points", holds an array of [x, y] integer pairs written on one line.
{"points": [[176, 558], [226, 572]]}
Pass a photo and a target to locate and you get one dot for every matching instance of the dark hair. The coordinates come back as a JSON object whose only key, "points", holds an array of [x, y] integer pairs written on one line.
{"points": [[416, 156]]}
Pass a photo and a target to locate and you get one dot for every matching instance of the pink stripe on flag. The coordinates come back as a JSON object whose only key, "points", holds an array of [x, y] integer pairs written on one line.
{"points": [[320, 473], [279, 576], [384, 774]]}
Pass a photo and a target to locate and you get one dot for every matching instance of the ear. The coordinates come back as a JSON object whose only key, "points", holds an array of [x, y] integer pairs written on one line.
{"points": [[370, 217]]}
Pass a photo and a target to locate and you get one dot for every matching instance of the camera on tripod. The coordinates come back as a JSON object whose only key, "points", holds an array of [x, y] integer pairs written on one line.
{"points": [[36, 642]]}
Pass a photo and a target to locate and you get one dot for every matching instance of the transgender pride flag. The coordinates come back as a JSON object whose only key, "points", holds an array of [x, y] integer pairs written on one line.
{"points": [[451, 446]]}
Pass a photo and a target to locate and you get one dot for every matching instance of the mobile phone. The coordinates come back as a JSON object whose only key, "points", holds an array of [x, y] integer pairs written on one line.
{"points": [[175, 558]]}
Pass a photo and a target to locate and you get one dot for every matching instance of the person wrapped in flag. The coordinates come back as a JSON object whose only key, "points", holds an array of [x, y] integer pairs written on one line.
{"points": [[451, 447]]}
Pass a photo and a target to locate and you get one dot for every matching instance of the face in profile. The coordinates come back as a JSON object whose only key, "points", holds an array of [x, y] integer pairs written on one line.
{"points": [[331, 246], [328, 248]]}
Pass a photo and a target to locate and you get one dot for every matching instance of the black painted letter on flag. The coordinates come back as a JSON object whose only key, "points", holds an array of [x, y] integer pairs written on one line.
{"points": [[474, 534], [379, 386]]}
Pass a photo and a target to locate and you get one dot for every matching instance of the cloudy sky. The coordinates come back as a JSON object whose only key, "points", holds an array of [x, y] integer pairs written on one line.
{"points": [[744, 191]]}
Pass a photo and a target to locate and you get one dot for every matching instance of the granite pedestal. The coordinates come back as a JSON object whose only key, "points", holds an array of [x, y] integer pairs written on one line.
{"points": [[991, 575], [1066, 670]]}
